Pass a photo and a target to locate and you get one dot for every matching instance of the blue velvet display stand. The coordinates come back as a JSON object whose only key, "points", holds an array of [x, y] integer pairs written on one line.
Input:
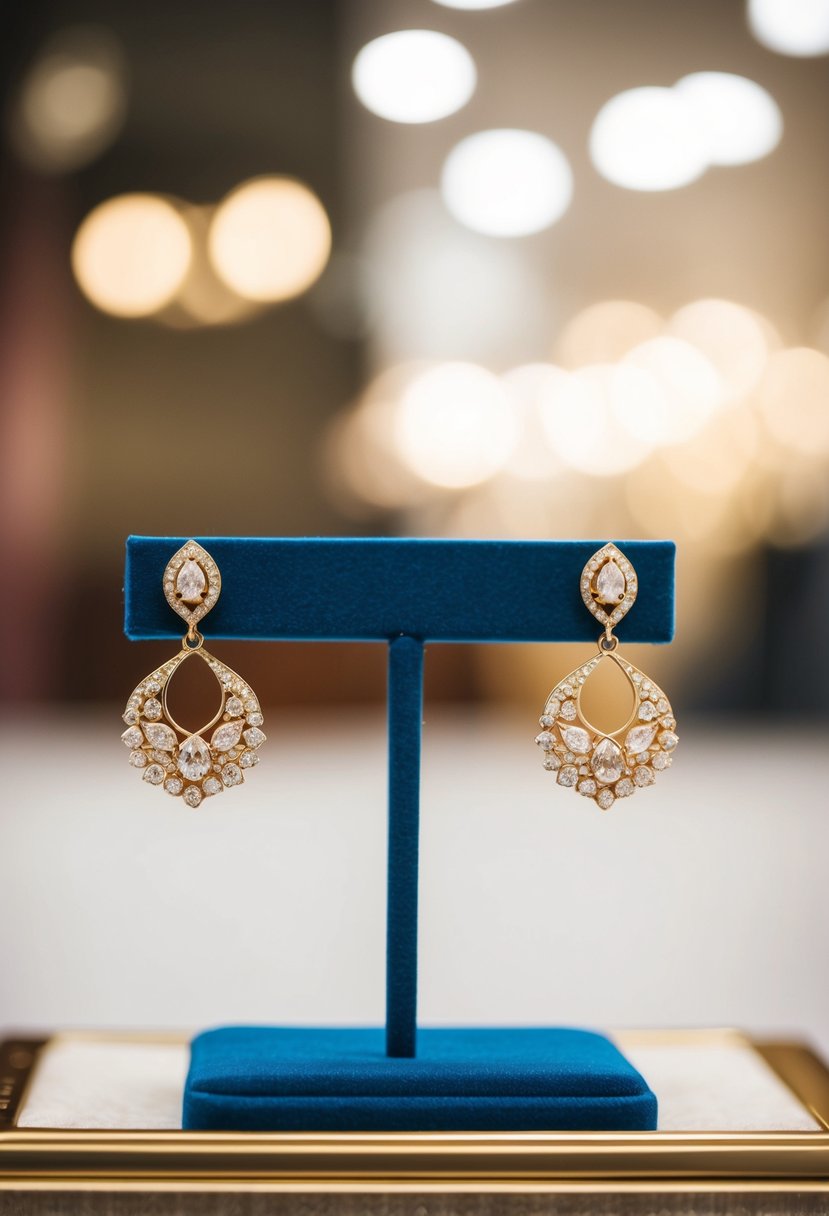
{"points": [[405, 593]]}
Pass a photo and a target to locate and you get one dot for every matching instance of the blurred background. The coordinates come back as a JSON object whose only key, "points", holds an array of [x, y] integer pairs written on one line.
{"points": [[478, 268]]}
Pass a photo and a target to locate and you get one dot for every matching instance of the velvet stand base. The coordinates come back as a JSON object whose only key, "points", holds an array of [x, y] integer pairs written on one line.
{"points": [[252, 1078]]}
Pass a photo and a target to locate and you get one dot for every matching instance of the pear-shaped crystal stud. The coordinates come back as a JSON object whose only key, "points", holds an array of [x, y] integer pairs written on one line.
{"points": [[192, 582], [608, 585]]}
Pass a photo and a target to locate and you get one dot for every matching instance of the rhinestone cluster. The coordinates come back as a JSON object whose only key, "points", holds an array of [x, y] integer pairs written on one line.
{"points": [[607, 767], [191, 767]]}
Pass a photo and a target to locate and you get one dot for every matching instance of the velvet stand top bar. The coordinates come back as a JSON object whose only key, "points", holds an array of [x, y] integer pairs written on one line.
{"points": [[372, 590]]}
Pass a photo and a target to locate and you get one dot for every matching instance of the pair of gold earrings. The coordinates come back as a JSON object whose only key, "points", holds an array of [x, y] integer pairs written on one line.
{"points": [[598, 765], [606, 766]]}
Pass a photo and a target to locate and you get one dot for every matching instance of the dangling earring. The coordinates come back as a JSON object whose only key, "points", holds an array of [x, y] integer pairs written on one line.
{"points": [[603, 766], [181, 761]]}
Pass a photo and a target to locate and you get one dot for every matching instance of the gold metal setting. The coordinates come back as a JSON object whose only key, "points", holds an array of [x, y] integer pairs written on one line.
{"points": [[606, 766], [167, 754]]}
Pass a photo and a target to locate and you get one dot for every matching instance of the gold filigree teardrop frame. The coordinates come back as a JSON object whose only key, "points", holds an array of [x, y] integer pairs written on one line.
{"points": [[606, 766], [184, 762]]}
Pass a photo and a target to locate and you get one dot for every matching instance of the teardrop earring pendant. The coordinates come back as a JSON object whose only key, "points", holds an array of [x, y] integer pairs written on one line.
{"points": [[185, 763], [606, 766]]}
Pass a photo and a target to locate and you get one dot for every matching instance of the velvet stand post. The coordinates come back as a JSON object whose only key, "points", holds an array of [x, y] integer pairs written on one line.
{"points": [[405, 593]]}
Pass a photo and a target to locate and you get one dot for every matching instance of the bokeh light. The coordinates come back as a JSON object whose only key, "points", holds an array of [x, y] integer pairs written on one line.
{"points": [[131, 254], [473, 4], [648, 139], [414, 76], [506, 182], [793, 398], [689, 390], [791, 27], [738, 119], [532, 458], [456, 425], [583, 414], [72, 102], [604, 332], [434, 289], [361, 455], [270, 239], [203, 299], [734, 339]]}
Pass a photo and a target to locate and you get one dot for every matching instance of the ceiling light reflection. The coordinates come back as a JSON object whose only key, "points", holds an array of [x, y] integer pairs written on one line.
{"points": [[507, 183], [414, 76]]}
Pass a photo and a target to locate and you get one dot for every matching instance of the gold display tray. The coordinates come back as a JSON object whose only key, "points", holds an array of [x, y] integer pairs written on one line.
{"points": [[424, 1162]]}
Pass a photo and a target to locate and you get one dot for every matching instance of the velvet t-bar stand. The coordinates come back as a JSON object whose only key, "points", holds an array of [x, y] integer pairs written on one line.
{"points": [[405, 593]]}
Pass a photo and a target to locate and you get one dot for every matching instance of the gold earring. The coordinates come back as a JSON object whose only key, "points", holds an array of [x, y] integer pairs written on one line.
{"points": [[183, 761], [598, 765]]}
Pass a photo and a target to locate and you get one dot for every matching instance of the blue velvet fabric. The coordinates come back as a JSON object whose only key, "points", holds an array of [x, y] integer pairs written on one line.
{"points": [[253, 1078], [343, 589], [405, 702]]}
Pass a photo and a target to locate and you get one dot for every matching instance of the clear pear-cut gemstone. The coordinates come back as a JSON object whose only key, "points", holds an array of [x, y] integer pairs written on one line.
{"points": [[576, 739], [551, 762], [227, 736], [159, 735], [255, 737], [191, 583], [568, 710], [640, 738], [605, 799], [606, 761], [194, 758], [610, 584]]}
